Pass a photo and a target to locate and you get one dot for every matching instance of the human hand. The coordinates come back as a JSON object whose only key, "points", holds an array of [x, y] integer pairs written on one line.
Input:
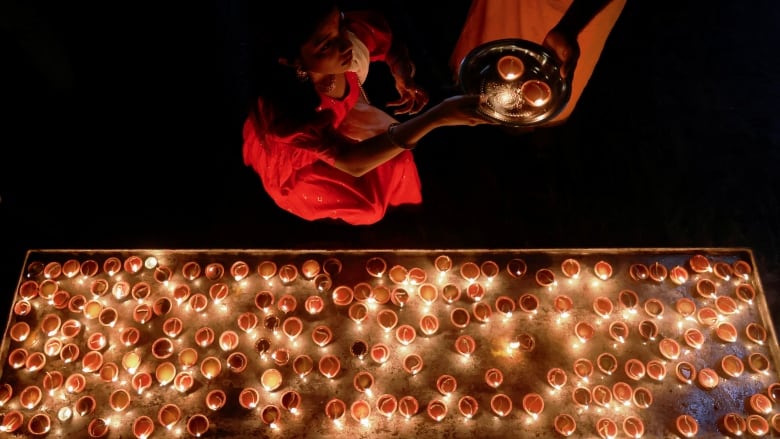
{"points": [[565, 47], [461, 110], [412, 98]]}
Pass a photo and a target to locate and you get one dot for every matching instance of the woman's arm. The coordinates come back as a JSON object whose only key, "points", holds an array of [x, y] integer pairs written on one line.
{"points": [[370, 153], [562, 39]]}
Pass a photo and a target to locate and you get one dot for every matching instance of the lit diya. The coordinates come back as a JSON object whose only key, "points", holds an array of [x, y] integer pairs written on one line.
{"points": [[249, 397], [360, 411], [669, 348], [643, 397], [310, 268], [475, 291], [465, 345], [501, 404], [413, 364], [618, 330], [329, 365], [494, 377], [634, 369], [545, 277], [687, 425], [429, 324], [380, 353], [606, 428], [745, 293], [533, 404], [570, 268], [733, 423], [386, 405], [198, 425], [582, 397], [450, 293], [654, 308], [657, 272], [557, 378], [699, 264], [468, 406], [516, 267], [359, 349], [607, 363], [603, 306], [363, 381], [408, 406], [302, 365], [470, 271], [565, 424], [693, 338], [742, 269], [726, 332], [622, 393], [583, 368], [584, 331], [376, 266], [756, 333], [489, 269], [633, 427], [639, 272], [757, 425], [602, 270], [446, 384], [722, 270], [686, 372], [760, 404], [758, 362], [678, 275], [732, 365], [437, 410], [726, 305], [706, 288], [335, 410], [602, 395], [443, 263], [708, 378]]}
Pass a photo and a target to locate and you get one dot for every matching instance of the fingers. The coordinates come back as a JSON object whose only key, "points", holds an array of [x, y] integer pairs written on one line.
{"points": [[411, 102]]}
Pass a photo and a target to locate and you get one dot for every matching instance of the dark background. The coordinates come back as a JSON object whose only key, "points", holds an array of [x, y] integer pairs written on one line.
{"points": [[120, 128]]}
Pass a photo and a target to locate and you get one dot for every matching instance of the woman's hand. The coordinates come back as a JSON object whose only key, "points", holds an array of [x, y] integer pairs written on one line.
{"points": [[460, 110], [565, 47], [412, 98]]}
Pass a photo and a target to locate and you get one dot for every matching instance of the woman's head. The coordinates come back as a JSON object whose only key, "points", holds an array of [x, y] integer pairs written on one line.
{"points": [[284, 29], [290, 36], [328, 49]]}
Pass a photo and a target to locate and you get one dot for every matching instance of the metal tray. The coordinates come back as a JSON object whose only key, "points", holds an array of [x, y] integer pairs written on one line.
{"points": [[506, 103]]}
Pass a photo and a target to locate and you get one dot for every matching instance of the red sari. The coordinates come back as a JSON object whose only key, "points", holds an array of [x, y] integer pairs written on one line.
{"points": [[298, 171]]}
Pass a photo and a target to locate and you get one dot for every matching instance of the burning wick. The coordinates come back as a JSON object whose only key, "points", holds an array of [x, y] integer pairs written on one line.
{"points": [[510, 67]]}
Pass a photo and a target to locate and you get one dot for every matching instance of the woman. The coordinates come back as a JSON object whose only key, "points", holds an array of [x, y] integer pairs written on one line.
{"points": [[319, 147]]}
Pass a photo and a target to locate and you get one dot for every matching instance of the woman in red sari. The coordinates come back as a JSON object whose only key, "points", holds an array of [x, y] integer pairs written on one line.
{"points": [[320, 148]]}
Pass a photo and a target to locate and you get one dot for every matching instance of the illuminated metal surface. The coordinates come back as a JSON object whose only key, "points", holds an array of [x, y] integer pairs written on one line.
{"points": [[519, 80], [240, 343]]}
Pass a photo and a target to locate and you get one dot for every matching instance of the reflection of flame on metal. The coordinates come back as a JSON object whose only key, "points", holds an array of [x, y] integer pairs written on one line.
{"points": [[503, 97]]}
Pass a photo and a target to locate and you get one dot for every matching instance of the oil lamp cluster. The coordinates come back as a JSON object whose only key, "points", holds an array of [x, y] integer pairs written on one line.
{"points": [[178, 343]]}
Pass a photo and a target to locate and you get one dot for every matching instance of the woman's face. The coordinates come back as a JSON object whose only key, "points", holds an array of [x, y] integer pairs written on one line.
{"points": [[329, 49]]}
